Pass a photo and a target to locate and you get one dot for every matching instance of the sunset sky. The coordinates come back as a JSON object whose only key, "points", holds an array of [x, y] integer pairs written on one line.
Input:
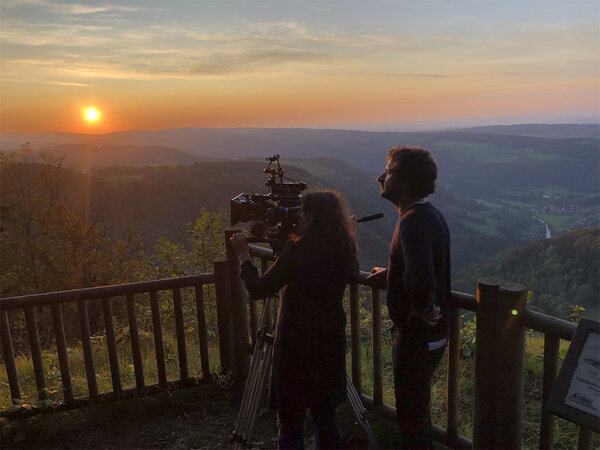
{"points": [[360, 64]]}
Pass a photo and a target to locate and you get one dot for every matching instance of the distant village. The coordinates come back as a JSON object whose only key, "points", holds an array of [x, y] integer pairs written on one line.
{"points": [[590, 213]]}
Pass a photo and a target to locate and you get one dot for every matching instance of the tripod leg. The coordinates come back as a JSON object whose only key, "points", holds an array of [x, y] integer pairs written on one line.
{"points": [[250, 392], [360, 412], [260, 389], [255, 384]]}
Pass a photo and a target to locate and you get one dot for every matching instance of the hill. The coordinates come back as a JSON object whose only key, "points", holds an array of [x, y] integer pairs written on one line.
{"points": [[90, 156], [159, 201], [561, 271], [488, 164], [553, 131]]}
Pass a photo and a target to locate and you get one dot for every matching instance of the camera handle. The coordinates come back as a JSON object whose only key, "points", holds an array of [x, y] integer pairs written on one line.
{"points": [[271, 171], [256, 386]]}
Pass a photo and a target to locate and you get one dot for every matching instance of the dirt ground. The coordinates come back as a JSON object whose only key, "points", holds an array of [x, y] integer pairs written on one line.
{"points": [[198, 417]]}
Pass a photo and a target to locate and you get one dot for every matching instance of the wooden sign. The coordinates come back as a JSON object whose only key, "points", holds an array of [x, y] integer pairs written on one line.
{"points": [[576, 394]]}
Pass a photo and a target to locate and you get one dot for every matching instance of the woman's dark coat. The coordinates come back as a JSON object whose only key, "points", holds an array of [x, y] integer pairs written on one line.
{"points": [[309, 352]]}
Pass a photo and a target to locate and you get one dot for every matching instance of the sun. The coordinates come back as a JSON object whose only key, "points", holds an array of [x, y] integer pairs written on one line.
{"points": [[91, 114]]}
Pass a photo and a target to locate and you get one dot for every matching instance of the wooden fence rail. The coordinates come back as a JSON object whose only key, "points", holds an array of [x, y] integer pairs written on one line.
{"points": [[107, 295]]}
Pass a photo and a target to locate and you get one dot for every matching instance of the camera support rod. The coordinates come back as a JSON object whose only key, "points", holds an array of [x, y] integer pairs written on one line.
{"points": [[369, 218]]}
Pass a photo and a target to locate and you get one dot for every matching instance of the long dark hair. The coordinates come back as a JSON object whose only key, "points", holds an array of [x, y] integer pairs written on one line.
{"points": [[326, 216]]}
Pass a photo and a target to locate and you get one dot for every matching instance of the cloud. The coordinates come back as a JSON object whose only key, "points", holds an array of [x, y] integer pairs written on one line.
{"points": [[85, 42], [250, 61], [66, 83], [70, 8], [165, 51]]}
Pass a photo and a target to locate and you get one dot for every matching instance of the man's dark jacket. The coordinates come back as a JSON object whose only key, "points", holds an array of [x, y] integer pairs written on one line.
{"points": [[419, 271]]}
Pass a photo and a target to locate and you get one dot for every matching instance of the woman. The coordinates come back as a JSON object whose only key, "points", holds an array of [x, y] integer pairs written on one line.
{"points": [[309, 352]]}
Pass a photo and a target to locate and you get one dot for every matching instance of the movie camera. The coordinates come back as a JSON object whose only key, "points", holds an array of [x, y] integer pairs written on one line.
{"points": [[270, 217]]}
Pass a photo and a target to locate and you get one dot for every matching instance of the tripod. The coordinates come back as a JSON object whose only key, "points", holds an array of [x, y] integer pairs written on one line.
{"points": [[256, 386]]}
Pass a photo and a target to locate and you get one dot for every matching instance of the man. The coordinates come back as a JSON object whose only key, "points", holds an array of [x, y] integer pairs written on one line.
{"points": [[418, 288]]}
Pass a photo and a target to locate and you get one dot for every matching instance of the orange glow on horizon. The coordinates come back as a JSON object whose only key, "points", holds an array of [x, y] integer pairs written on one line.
{"points": [[181, 105]]}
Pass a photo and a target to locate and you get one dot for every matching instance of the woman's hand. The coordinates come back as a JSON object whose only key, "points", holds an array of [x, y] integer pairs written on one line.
{"points": [[240, 246], [377, 273]]}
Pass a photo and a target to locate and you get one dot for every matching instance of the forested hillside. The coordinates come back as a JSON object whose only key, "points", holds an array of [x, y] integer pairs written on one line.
{"points": [[159, 201], [561, 271], [90, 156], [550, 171], [93, 218]]}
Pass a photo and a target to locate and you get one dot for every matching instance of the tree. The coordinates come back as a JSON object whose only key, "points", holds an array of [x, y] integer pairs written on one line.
{"points": [[47, 245], [206, 241]]}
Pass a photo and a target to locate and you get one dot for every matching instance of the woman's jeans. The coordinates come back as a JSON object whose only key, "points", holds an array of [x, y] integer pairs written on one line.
{"points": [[291, 427]]}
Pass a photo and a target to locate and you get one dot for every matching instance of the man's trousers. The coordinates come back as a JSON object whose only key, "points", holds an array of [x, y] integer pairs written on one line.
{"points": [[413, 366]]}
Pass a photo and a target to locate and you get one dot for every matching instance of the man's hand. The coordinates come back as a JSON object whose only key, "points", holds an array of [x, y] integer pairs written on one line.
{"points": [[431, 318], [240, 246], [377, 273]]}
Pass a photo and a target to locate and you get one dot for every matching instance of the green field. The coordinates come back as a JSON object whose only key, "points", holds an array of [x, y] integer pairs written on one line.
{"points": [[490, 153], [561, 222]]}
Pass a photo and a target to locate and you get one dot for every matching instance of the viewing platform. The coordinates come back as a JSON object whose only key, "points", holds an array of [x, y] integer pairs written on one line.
{"points": [[500, 308]]}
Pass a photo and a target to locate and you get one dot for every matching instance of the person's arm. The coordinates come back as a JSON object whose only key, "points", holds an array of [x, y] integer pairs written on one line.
{"points": [[274, 279], [419, 274]]}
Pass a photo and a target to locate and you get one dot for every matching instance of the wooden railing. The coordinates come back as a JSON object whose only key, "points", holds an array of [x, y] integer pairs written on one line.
{"points": [[502, 319], [107, 295]]}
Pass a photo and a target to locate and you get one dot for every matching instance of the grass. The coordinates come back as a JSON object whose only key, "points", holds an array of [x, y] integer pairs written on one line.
{"points": [[26, 375], [561, 222]]}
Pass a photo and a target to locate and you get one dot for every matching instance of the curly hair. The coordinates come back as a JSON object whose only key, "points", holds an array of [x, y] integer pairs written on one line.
{"points": [[417, 166], [326, 216]]}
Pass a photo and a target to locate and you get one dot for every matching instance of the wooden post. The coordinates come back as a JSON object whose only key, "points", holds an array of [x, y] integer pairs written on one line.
{"points": [[452, 374], [180, 331], [36, 352], [111, 343], [584, 442], [202, 335], [9, 358], [136, 354], [159, 349], [551, 353], [355, 336], [510, 351], [239, 306], [88, 355], [376, 347], [224, 315], [61, 348], [484, 413]]}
